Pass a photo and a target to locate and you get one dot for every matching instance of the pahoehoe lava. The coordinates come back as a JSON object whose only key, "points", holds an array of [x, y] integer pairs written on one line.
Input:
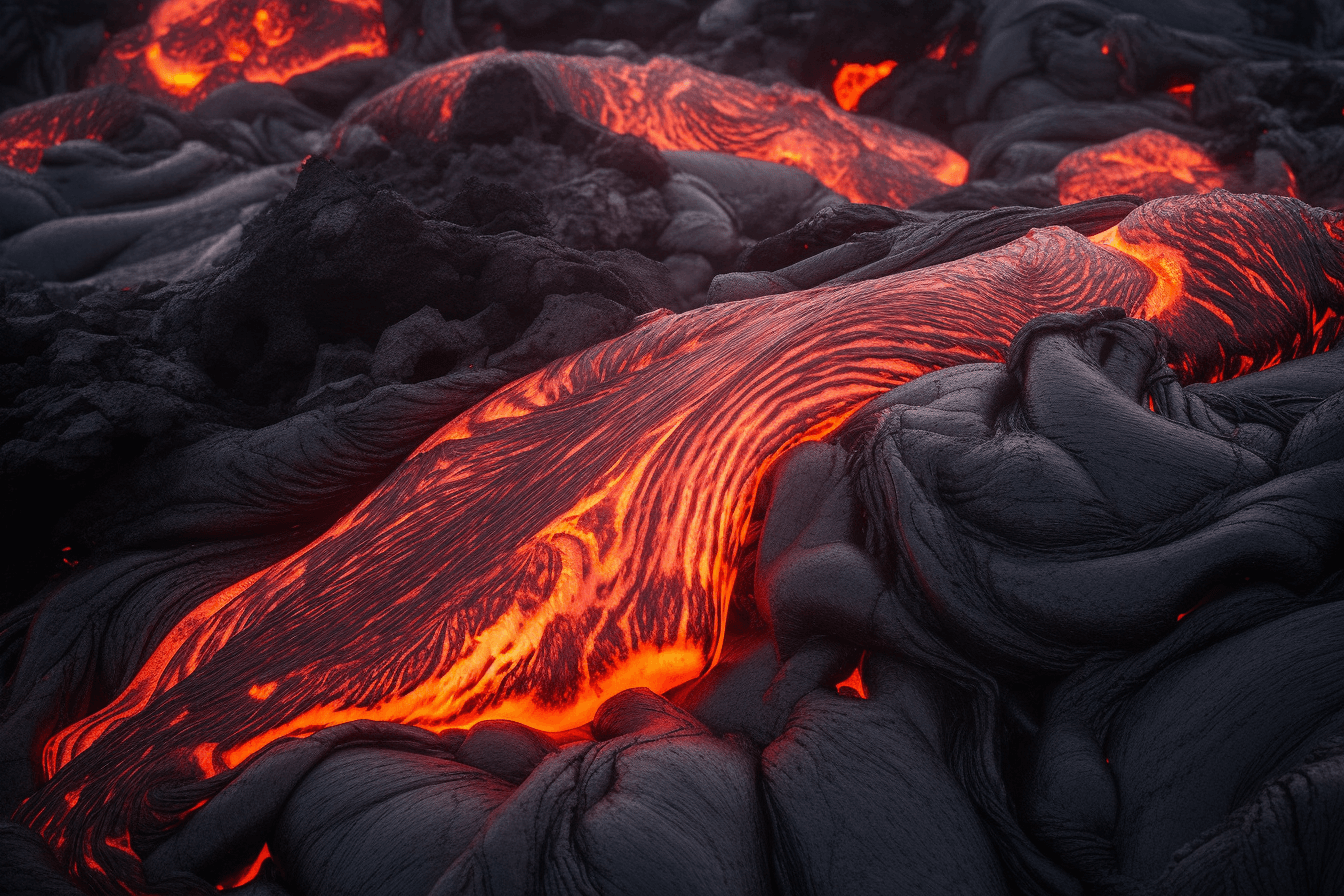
{"points": [[587, 446]]}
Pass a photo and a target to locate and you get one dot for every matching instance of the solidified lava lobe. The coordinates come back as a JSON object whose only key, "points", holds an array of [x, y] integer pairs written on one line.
{"points": [[581, 530], [190, 47], [676, 105]]}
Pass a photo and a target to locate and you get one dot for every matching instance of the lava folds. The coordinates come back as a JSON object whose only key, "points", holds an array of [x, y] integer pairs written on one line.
{"points": [[675, 105], [583, 529], [188, 48]]}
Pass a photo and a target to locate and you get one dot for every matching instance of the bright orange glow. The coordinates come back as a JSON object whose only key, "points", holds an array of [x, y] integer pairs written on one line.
{"points": [[1163, 261], [1150, 163], [675, 105], [854, 79], [431, 704], [1196, 291], [1183, 92], [581, 530], [206, 758], [262, 691], [248, 874], [855, 683], [163, 669], [190, 47]]}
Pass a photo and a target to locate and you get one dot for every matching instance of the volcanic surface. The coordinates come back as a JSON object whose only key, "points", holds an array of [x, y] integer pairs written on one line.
{"points": [[677, 447]]}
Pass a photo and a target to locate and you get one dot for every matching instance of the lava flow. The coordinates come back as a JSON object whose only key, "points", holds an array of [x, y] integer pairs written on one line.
{"points": [[854, 79], [26, 132], [190, 47], [581, 530], [675, 105], [1152, 163]]}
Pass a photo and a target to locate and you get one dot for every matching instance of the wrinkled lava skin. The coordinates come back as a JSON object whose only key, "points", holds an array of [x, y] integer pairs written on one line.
{"points": [[188, 48], [675, 105], [582, 530]]}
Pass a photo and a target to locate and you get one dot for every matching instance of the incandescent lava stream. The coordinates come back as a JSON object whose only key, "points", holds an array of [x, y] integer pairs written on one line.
{"points": [[583, 529]]}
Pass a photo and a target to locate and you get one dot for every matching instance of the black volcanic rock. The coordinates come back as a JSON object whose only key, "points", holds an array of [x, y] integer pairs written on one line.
{"points": [[827, 228], [533, 167], [496, 208], [336, 260], [340, 259], [110, 387], [888, 242], [424, 346]]}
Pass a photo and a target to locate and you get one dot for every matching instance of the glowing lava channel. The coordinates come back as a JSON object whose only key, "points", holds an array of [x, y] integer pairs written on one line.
{"points": [[581, 530]]}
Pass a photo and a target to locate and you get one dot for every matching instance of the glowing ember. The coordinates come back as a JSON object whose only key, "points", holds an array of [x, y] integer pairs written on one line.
{"points": [[581, 530], [1182, 92], [855, 683], [1149, 163], [190, 47], [854, 79], [940, 51], [675, 105]]}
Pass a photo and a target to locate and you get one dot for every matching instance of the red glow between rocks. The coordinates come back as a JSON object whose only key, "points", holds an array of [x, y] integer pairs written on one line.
{"points": [[854, 79], [855, 683], [1184, 93]]}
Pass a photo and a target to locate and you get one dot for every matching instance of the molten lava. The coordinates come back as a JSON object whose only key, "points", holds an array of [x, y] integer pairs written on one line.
{"points": [[581, 530], [27, 131], [854, 79], [675, 105], [190, 47], [1151, 164], [1183, 93]]}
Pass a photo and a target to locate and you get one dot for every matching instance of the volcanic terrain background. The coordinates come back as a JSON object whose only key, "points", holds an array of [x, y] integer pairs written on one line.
{"points": [[666, 446]]}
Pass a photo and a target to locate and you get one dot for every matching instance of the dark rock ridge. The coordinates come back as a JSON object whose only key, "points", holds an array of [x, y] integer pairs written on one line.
{"points": [[321, 305]]}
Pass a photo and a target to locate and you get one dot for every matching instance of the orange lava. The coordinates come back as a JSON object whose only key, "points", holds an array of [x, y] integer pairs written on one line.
{"points": [[855, 683], [1182, 92], [250, 872], [190, 47], [1164, 261], [1151, 164], [676, 105], [27, 131], [581, 530], [854, 79]]}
